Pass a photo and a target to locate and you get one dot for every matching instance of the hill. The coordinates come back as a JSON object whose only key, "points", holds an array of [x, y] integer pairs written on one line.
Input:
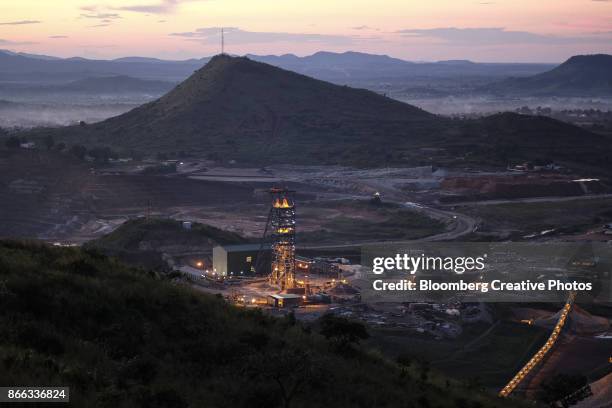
{"points": [[510, 137], [253, 112], [581, 75], [144, 241], [238, 109], [160, 232], [123, 337]]}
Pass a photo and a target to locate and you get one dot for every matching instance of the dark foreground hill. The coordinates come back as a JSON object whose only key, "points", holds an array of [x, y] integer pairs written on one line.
{"points": [[122, 337], [251, 112], [581, 75]]}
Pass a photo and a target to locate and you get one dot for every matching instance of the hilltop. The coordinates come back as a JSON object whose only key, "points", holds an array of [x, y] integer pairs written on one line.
{"points": [[581, 75], [124, 337]]}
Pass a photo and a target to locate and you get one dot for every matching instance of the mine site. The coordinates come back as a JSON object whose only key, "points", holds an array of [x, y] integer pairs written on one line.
{"points": [[195, 213], [224, 228], [336, 202]]}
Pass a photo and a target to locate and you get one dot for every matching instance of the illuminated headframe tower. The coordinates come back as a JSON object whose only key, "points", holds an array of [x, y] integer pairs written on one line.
{"points": [[282, 234]]}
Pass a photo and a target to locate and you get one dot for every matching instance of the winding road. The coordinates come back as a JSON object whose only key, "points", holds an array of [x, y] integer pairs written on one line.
{"points": [[461, 225]]}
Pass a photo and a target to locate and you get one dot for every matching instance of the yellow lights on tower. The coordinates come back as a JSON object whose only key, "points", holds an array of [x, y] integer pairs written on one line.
{"points": [[284, 203], [282, 222]]}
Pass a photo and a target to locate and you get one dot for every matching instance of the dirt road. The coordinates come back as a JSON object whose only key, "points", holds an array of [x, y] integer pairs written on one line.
{"points": [[531, 200], [461, 225]]}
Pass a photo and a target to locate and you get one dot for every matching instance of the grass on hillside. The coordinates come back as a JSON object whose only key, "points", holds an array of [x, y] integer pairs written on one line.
{"points": [[485, 361], [142, 241], [535, 217], [124, 337], [162, 231], [363, 221]]}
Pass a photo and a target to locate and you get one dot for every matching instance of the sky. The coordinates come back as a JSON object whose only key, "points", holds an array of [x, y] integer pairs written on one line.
{"points": [[426, 30]]}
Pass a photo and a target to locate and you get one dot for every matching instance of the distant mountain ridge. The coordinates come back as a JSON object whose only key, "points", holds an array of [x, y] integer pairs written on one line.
{"points": [[20, 67], [336, 67], [580, 75], [28, 55], [329, 65], [326, 58]]}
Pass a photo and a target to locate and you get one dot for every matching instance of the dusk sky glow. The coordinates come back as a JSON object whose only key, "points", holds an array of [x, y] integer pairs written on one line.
{"points": [[495, 30]]}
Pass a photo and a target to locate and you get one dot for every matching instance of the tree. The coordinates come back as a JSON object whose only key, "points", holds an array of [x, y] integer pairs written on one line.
{"points": [[474, 383], [424, 370], [102, 154], [423, 401], [342, 332], [79, 151], [404, 360], [49, 142], [461, 402], [290, 369], [136, 155], [290, 319], [560, 386], [13, 142], [165, 398]]}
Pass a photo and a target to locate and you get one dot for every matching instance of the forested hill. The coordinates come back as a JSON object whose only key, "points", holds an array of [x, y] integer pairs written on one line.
{"points": [[122, 337]]}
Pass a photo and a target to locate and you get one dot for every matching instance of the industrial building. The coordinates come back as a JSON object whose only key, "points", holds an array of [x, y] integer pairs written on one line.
{"points": [[241, 260], [303, 264], [285, 300], [326, 268]]}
